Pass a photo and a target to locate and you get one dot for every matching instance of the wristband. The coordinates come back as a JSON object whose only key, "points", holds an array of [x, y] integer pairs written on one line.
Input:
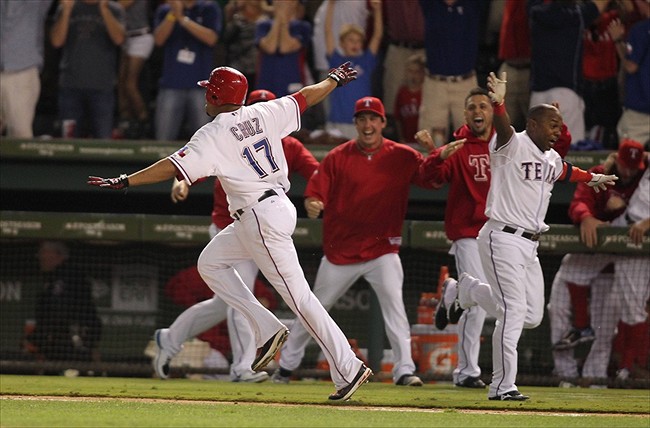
{"points": [[170, 17], [499, 109]]}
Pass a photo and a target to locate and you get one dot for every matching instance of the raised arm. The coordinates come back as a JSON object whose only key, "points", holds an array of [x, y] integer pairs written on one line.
{"points": [[330, 40], [378, 26], [114, 27], [59, 31], [501, 121]]}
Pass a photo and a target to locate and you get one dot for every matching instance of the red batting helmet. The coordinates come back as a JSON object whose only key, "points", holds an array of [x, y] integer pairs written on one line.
{"points": [[225, 86]]}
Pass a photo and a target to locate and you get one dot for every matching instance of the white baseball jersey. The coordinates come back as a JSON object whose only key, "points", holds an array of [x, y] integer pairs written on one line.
{"points": [[522, 181], [243, 149]]}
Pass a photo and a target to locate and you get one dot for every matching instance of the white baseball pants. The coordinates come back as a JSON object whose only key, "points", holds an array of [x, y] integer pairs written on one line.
{"points": [[263, 234]]}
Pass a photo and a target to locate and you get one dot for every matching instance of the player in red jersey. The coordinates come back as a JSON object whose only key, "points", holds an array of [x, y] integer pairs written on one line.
{"points": [[362, 187]]}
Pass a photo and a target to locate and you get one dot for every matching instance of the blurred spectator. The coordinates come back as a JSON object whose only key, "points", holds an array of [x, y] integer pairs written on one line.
{"points": [[514, 51], [188, 31], [88, 31], [405, 31], [239, 36], [350, 47], [451, 43], [635, 59], [22, 30], [409, 98], [283, 41], [345, 12], [556, 29], [134, 114], [67, 325], [600, 68]]}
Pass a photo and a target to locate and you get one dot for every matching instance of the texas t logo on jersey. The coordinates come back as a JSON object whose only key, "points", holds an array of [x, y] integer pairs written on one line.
{"points": [[182, 152]]}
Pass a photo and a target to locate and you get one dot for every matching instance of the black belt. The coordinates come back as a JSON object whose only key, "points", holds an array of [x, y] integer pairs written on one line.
{"points": [[460, 78], [138, 32], [237, 214], [528, 235]]}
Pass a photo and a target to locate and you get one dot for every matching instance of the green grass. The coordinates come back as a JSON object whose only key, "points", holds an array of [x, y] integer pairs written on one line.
{"points": [[185, 402]]}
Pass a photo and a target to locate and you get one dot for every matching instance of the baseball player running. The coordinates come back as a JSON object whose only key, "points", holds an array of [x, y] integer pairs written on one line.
{"points": [[206, 314], [362, 187], [242, 147], [465, 165], [524, 168]]}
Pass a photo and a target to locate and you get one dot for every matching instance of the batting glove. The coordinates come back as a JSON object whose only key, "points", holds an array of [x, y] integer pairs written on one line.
{"points": [[497, 87], [117, 183], [343, 74], [601, 181]]}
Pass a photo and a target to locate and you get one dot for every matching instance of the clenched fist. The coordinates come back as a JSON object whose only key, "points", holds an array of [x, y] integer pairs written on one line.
{"points": [[313, 207]]}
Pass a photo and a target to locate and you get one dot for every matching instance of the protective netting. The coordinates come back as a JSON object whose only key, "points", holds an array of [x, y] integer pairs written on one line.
{"points": [[133, 288]]}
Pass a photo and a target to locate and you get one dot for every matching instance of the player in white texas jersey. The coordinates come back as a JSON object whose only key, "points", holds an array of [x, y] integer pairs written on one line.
{"points": [[524, 168], [242, 147]]}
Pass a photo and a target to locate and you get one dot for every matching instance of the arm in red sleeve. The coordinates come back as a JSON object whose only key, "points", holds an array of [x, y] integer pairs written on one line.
{"points": [[434, 169], [585, 202], [318, 185], [302, 101], [299, 159]]}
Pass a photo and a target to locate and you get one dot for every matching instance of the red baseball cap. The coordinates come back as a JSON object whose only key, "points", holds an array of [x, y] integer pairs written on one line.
{"points": [[630, 154], [260, 95], [370, 105]]}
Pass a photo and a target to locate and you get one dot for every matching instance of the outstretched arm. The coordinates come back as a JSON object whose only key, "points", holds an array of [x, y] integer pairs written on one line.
{"points": [[160, 171], [340, 76]]}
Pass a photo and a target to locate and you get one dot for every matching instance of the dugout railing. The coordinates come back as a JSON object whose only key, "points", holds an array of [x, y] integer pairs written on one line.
{"points": [[130, 258]]}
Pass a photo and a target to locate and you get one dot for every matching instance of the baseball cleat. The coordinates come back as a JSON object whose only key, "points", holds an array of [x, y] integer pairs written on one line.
{"points": [[281, 375], [465, 284], [162, 359], [409, 380], [574, 338], [270, 348], [510, 396], [252, 377], [441, 318], [346, 392], [471, 382]]}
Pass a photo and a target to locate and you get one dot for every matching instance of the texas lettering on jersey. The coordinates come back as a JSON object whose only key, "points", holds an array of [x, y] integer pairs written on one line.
{"points": [[534, 171]]}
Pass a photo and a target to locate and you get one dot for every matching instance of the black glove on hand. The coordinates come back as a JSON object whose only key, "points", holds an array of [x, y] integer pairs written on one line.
{"points": [[343, 74], [117, 183]]}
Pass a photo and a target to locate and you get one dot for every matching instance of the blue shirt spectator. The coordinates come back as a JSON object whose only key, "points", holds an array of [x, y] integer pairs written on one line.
{"points": [[188, 31]]}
